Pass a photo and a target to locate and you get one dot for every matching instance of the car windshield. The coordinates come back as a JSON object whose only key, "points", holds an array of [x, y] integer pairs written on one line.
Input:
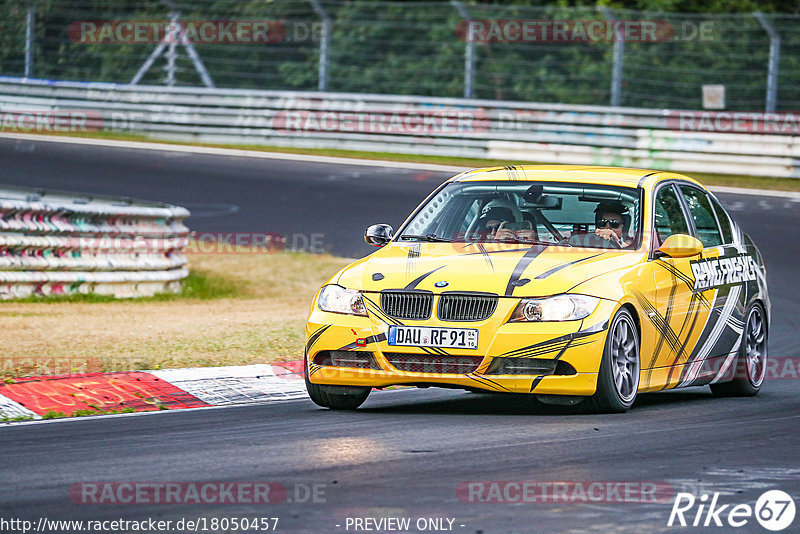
{"points": [[529, 212]]}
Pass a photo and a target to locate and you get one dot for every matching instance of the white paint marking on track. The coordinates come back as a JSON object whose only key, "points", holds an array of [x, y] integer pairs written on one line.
{"points": [[10, 408], [236, 384], [234, 152]]}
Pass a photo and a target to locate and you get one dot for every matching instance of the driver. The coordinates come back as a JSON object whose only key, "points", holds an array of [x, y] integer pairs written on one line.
{"points": [[609, 221], [494, 221]]}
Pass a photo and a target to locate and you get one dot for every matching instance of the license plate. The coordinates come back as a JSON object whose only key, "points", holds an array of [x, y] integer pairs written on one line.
{"points": [[427, 336]]}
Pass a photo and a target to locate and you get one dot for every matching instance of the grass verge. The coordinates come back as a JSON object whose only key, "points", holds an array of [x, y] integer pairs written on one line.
{"points": [[728, 180], [235, 309]]}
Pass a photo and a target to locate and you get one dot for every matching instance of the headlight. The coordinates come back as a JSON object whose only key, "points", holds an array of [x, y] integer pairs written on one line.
{"points": [[558, 308], [337, 299]]}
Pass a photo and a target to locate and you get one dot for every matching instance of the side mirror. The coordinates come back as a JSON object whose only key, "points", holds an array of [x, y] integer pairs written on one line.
{"points": [[378, 235], [681, 246]]}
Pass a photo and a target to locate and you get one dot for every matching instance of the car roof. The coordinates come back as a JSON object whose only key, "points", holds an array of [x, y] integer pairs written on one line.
{"points": [[617, 176]]}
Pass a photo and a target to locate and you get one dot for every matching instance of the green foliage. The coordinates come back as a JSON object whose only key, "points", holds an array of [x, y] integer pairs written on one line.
{"points": [[414, 48], [202, 286]]}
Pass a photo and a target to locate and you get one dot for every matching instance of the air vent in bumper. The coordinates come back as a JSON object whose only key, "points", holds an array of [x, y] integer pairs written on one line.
{"points": [[346, 358], [432, 363]]}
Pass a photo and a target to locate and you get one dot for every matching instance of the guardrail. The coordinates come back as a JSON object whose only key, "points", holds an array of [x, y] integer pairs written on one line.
{"points": [[748, 144], [59, 243]]}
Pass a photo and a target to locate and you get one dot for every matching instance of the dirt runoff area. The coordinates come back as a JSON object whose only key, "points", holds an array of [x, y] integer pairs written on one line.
{"points": [[235, 309]]}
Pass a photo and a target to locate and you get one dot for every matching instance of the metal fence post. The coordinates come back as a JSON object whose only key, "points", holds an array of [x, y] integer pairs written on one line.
{"points": [[172, 54], [322, 82], [29, 24], [619, 58], [469, 52], [774, 58]]}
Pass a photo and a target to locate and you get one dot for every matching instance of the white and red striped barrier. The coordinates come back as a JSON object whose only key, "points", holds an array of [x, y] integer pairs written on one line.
{"points": [[60, 243]]}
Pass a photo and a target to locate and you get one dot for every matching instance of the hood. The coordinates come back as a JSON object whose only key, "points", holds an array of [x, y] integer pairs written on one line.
{"points": [[504, 269]]}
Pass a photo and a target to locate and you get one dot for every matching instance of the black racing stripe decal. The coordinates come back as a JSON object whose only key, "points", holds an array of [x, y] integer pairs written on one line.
{"points": [[315, 336], [667, 317], [501, 251], [414, 283], [683, 277], [553, 344], [376, 310], [558, 268], [695, 314], [715, 315], [659, 323], [498, 384], [523, 264], [369, 340], [435, 351], [486, 256], [485, 381], [560, 347], [517, 172], [535, 383]]}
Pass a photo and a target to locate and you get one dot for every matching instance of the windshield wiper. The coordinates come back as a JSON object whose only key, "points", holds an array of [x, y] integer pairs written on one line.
{"points": [[522, 240], [427, 237]]}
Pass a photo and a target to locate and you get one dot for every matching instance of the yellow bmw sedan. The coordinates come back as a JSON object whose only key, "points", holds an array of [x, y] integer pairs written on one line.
{"points": [[574, 284]]}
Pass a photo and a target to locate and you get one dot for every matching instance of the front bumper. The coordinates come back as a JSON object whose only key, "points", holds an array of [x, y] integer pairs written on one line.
{"points": [[578, 343]]}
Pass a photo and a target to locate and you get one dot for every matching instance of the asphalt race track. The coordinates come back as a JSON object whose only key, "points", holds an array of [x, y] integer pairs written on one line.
{"points": [[405, 452]]}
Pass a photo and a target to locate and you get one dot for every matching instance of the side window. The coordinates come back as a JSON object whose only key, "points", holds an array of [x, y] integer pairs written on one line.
{"points": [[669, 215], [703, 215], [724, 220]]}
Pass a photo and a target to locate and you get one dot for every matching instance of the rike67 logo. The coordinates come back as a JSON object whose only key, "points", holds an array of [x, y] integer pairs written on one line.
{"points": [[774, 510]]}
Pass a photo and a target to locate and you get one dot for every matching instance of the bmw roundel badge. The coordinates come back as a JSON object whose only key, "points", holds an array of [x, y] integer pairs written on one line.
{"points": [[441, 283]]}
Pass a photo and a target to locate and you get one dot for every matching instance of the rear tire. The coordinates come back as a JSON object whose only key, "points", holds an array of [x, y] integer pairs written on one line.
{"points": [[618, 378], [751, 360], [336, 397]]}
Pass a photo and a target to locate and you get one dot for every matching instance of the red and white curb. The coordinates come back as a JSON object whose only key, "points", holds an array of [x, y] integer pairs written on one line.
{"points": [[142, 391]]}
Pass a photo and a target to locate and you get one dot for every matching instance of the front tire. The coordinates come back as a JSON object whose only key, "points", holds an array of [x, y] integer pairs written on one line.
{"points": [[336, 397], [618, 378], [751, 360]]}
